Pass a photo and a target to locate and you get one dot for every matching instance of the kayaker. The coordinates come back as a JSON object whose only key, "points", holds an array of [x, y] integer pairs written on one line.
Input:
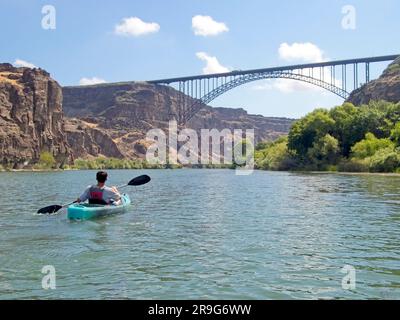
{"points": [[100, 193]]}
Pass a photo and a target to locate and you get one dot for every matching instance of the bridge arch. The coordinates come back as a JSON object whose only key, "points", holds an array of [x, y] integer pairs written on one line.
{"points": [[284, 75], [188, 113]]}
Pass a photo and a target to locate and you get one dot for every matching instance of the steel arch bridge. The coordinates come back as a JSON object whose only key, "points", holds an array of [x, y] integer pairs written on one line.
{"points": [[339, 77]]}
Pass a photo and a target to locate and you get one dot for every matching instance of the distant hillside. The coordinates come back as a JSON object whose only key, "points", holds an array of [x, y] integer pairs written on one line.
{"points": [[112, 119], [386, 87]]}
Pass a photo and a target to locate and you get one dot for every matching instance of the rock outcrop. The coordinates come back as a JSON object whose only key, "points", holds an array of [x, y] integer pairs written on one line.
{"points": [[86, 140], [386, 87], [110, 120], [117, 116], [31, 117]]}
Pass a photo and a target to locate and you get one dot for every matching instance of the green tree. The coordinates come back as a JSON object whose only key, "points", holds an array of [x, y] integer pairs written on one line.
{"points": [[275, 156], [385, 160], [309, 129], [46, 160], [352, 123], [395, 134], [391, 115], [344, 129], [325, 150], [369, 146], [243, 152]]}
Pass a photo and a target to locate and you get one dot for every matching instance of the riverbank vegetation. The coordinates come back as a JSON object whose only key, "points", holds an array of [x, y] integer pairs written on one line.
{"points": [[345, 138], [102, 163], [46, 161]]}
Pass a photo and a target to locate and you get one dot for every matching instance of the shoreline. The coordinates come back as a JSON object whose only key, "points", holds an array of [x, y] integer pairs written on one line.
{"points": [[388, 174], [384, 174]]}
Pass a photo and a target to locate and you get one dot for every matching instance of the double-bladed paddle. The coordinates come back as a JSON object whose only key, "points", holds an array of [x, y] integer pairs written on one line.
{"points": [[138, 181]]}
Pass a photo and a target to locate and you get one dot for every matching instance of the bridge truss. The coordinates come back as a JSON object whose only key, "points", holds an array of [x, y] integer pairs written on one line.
{"points": [[339, 77]]}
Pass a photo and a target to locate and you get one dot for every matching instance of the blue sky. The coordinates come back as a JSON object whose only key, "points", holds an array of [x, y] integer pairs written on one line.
{"points": [[85, 43]]}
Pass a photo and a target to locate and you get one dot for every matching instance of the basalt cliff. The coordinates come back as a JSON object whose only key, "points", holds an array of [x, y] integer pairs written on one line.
{"points": [[386, 87], [31, 117], [111, 120]]}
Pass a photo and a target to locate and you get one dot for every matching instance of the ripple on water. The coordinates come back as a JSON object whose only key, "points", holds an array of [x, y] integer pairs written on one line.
{"points": [[205, 234]]}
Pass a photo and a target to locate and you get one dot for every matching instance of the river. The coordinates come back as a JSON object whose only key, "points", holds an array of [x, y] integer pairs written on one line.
{"points": [[205, 234]]}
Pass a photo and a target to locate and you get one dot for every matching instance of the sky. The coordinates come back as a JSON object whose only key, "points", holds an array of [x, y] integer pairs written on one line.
{"points": [[94, 41]]}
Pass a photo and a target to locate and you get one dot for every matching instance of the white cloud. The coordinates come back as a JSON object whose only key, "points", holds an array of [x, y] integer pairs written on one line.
{"points": [[266, 86], [135, 27], [206, 26], [289, 86], [91, 81], [212, 64], [285, 86], [306, 52], [23, 63]]}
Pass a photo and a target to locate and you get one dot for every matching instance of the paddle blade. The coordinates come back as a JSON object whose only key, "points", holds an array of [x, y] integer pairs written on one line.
{"points": [[49, 209], [138, 181]]}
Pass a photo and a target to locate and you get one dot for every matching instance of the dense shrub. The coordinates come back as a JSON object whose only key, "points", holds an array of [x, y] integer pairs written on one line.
{"points": [[345, 138], [395, 134], [325, 150], [353, 165], [111, 163], [46, 161], [385, 160], [369, 146], [307, 130], [274, 156], [394, 67]]}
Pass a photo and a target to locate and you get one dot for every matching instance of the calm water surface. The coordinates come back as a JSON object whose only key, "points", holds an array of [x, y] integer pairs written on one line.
{"points": [[205, 234]]}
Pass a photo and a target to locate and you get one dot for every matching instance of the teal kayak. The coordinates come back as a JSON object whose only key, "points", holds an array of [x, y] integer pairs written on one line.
{"points": [[85, 211]]}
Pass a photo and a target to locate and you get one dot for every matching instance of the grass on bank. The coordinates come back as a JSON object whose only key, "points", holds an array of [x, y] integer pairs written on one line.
{"points": [[47, 162], [103, 163]]}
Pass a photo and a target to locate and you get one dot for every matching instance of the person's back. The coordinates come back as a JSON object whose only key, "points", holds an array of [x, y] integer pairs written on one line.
{"points": [[100, 194]]}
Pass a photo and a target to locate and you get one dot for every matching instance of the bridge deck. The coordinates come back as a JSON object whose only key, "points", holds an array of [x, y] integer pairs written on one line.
{"points": [[277, 69]]}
